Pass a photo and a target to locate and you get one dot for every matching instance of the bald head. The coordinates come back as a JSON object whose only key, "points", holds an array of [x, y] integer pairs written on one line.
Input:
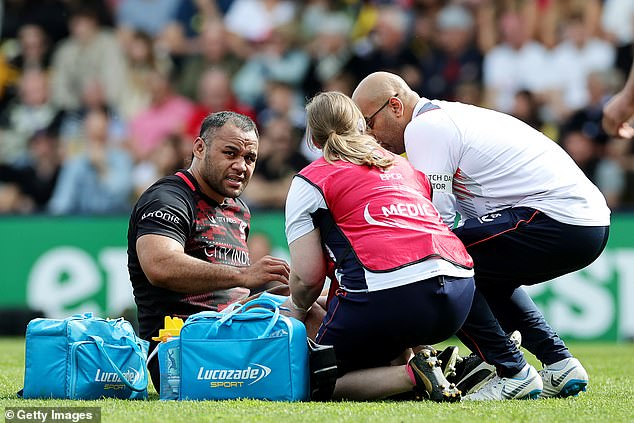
{"points": [[378, 86], [387, 103]]}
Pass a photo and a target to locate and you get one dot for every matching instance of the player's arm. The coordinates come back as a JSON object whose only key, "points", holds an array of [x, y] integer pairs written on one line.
{"points": [[166, 265], [620, 109]]}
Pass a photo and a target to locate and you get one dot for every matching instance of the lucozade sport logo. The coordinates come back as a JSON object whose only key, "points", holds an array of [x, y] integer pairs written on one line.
{"points": [[229, 378], [112, 380]]}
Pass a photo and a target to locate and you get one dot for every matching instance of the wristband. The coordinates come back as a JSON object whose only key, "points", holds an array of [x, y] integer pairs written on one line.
{"points": [[296, 307]]}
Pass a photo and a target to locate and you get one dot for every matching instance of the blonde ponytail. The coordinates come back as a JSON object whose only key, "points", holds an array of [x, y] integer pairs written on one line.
{"points": [[336, 126]]}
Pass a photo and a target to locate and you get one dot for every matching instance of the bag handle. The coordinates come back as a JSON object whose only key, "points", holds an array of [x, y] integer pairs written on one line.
{"points": [[249, 307], [87, 315], [137, 350]]}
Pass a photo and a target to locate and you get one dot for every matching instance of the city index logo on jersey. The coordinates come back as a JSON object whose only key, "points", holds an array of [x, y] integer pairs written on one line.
{"points": [[234, 378]]}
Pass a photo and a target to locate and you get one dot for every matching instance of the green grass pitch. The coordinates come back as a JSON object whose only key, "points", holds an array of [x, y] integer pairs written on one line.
{"points": [[609, 399]]}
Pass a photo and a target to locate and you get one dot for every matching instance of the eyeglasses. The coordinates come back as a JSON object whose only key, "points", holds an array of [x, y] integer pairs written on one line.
{"points": [[368, 120]]}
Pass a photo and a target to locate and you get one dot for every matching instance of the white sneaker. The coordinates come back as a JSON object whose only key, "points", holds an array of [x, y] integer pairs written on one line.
{"points": [[564, 378], [527, 384]]}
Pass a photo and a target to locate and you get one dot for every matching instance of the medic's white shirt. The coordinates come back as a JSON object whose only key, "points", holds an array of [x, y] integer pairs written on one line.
{"points": [[480, 161]]}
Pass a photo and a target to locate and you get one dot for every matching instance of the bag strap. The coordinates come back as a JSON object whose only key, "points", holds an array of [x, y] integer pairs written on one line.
{"points": [[140, 387], [270, 306], [87, 315]]}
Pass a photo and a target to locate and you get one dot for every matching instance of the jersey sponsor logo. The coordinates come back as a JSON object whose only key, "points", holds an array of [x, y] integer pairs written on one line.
{"points": [[234, 377], [163, 215], [215, 220], [228, 255]]}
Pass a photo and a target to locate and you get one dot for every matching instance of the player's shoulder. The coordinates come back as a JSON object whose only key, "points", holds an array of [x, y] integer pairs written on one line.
{"points": [[171, 188]]}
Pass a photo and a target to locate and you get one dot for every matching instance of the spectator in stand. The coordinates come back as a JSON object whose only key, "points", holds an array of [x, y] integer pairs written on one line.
{"points": [[544, 19], [27, 113], [526, 108], [141, 59], [9, 193], [167, 114], [281, 100], [342, 82], [279, 59], [139, 15], [600, 85], [50, 15], [616, 21], [454, 58], [8, 78], [214, 95], [181, 36], [573, 59], [34, 49], [328, 44], [164, 160], [255, 20], [213, 51], [470, 93], [72, 122], [515, 64], [27, 187], [588, 154], [386, 48], [91, 52], [33, 52], [98, 181], [278, 161]]}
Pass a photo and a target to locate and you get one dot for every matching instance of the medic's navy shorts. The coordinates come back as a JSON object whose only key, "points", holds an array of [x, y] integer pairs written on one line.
{"points": [[371, 329]]}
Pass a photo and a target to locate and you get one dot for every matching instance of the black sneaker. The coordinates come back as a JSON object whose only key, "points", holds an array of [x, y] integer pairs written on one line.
{"points": [[430, 382], [471, 373], [447, 358]]}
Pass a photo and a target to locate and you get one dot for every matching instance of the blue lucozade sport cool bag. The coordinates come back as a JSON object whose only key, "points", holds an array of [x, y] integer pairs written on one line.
{"points": [[249, 352], [83, 357]]}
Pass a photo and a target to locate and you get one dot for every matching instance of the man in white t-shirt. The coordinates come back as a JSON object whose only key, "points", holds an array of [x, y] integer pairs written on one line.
{"points": [[527, 215]]}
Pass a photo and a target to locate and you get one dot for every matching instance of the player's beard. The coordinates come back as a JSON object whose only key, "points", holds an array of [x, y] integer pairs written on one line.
{"points": [[217, 180]]}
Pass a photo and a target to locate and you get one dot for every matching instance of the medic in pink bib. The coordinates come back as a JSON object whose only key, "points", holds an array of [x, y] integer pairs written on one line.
{"points": [[404, 278]]}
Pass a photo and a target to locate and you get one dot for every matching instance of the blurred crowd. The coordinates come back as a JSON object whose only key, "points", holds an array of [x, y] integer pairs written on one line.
{"points": [[100, 98]]}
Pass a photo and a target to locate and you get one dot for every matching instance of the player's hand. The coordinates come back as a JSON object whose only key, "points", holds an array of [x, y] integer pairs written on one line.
{"points": [[267, 269], [616, 113]]}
